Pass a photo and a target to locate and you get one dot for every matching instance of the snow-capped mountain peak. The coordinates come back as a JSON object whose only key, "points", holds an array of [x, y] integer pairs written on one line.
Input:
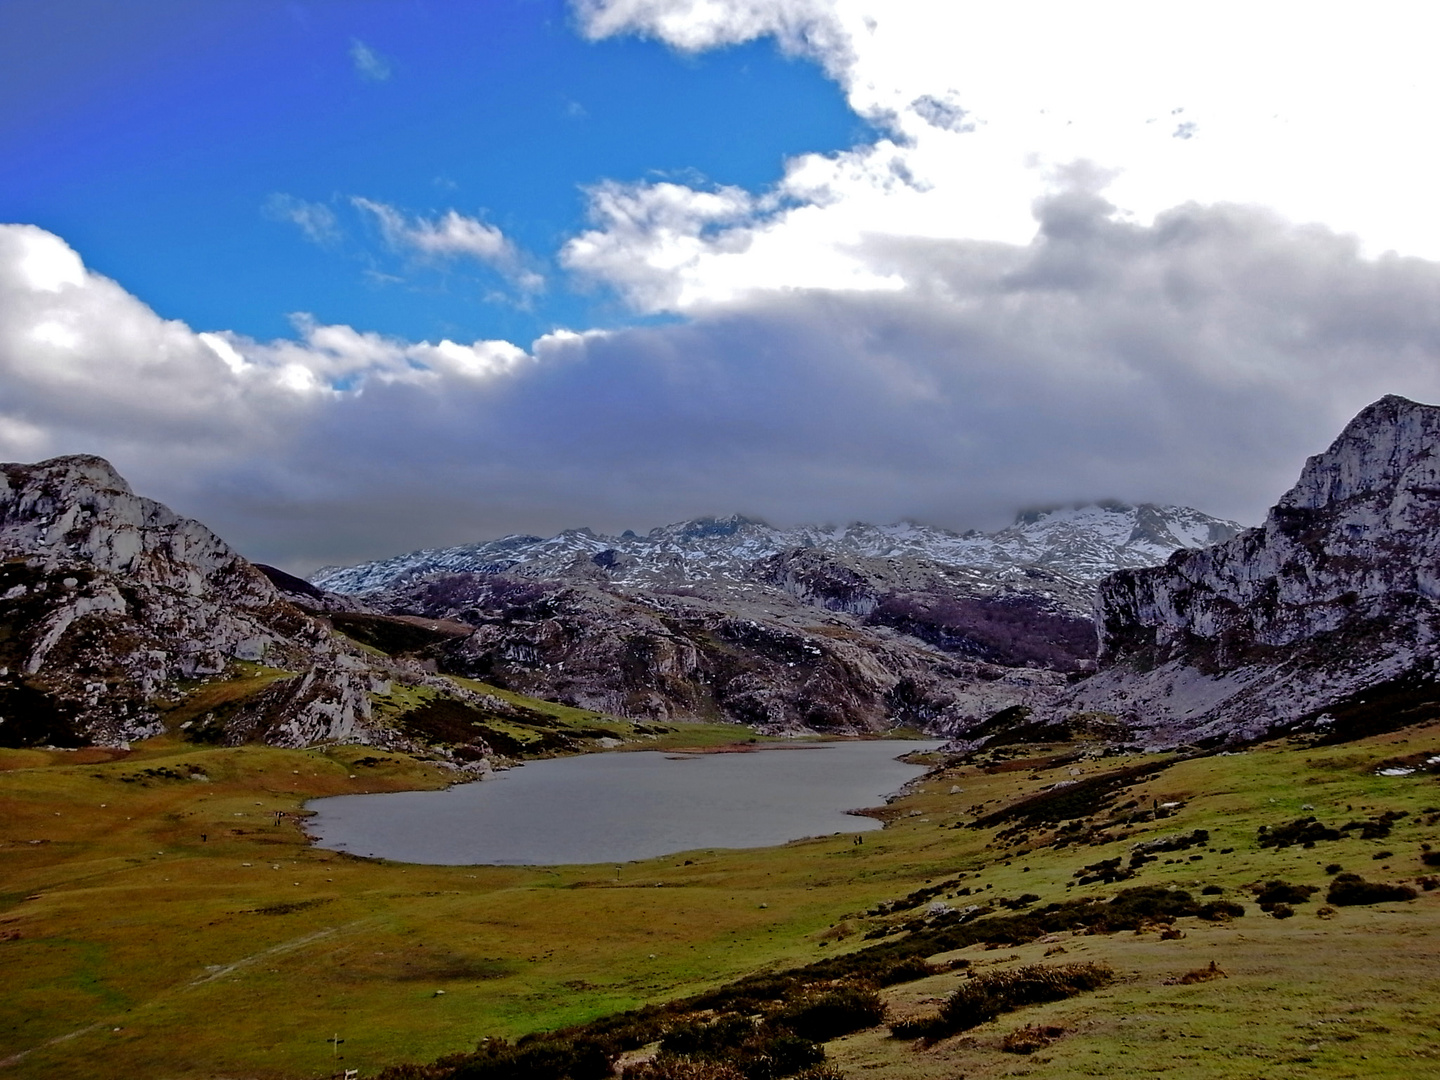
{"points": [[1084, 542]]}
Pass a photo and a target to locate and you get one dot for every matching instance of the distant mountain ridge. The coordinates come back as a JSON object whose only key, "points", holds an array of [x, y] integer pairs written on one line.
{"points": [[1083, 543]]}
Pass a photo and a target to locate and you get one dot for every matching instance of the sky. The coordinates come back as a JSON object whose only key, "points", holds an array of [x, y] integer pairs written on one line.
{"points": [[345, 278]]}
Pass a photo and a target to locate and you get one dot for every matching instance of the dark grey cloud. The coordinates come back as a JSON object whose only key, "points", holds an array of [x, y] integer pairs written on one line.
{"points": [[1196, 360]]}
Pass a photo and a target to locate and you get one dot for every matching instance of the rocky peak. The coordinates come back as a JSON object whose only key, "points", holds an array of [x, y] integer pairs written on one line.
{"points": [[1391, 446], [1337, 591], [79, 509]]}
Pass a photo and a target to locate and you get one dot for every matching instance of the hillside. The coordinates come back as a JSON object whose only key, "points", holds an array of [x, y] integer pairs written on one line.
{"points": [[165, 915], [121, 620]]}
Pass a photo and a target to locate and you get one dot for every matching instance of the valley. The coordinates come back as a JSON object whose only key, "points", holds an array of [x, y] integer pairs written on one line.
{"points": [[134, 947]]}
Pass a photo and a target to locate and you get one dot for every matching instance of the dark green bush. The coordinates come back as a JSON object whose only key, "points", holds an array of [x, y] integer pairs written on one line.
{"points": [[708, 1040], [987, 996], [832, 1014], [1303, 831], [1282, 892], [1350, 890], [534, 1059]]}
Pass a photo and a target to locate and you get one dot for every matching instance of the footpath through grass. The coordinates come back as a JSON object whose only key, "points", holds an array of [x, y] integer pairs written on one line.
{"points": [[161, 914]]}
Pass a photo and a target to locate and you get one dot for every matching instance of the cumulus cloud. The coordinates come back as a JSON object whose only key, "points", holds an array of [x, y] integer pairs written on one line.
{"points": [[369, 64], [316, 220], [1197, 359], [86, 365], [449, 236], [810, 28], [979, 104]]}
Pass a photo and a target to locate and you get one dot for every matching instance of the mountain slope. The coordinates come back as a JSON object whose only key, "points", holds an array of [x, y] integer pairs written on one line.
{"points": [[1335, 597], [120, 618], [852, 629]]}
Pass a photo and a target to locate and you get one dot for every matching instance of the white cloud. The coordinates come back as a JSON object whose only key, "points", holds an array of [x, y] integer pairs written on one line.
{"points": [[1309, 110], [452, 235], [84, 363], [369, 64], [812, 28], [316, 220]]}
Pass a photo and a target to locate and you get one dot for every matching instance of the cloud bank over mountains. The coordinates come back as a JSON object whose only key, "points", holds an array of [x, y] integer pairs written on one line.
{"points": [[973, 312]]}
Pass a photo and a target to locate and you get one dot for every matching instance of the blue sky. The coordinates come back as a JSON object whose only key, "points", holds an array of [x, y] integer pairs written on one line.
{"points": [[153, 137], [345, 279]]}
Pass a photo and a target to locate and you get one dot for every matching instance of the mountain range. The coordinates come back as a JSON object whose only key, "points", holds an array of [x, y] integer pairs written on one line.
{"points": [[1081, 543], [120, 619]]}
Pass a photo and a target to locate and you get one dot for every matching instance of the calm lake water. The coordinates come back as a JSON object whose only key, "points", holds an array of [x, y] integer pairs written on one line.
{"points": [[618, 807]]}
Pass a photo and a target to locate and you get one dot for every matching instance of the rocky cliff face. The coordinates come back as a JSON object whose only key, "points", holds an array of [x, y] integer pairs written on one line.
{"points": [[111, 603], [1337, 594]]}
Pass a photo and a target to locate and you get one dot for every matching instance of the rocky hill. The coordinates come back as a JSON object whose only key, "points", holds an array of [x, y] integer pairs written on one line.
{"points": [[112, 604], [1326, 616], [119, 616], [759, 656]]}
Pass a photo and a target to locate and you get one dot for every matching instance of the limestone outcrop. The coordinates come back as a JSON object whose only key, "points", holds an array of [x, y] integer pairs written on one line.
{"points": [[1336, 597], [112, 604]]}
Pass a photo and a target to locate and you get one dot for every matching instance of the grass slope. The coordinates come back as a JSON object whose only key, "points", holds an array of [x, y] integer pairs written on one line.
{"points": [[133, 947]]}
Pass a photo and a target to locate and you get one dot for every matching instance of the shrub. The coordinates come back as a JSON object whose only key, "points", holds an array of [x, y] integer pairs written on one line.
{"points": [[919, 1027], [1282, 911], [832, 1014], [536, 1059], [758, 1053], [708, 1040], [679, 1068], [1300, 831], [1350, 890], [987, 996], [1220, 910], [1282, 892]]}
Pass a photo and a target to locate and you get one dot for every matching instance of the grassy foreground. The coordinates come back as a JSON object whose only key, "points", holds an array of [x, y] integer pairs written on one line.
{"points": [[161, 915]]}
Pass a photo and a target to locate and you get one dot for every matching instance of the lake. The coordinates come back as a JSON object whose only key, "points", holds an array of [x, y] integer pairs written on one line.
{"points": [[616, 807]]}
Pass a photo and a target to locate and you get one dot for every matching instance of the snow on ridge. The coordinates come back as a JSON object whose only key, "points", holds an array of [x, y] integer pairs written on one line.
{"points": [[1083, 542]]}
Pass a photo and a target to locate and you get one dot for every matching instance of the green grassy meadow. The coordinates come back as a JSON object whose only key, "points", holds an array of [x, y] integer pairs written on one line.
{"points": [[133, 947]]}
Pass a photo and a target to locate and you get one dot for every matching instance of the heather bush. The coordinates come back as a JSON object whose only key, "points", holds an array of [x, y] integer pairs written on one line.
{"points": [[985, 997], [1350, 890], [832, 1014]]}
